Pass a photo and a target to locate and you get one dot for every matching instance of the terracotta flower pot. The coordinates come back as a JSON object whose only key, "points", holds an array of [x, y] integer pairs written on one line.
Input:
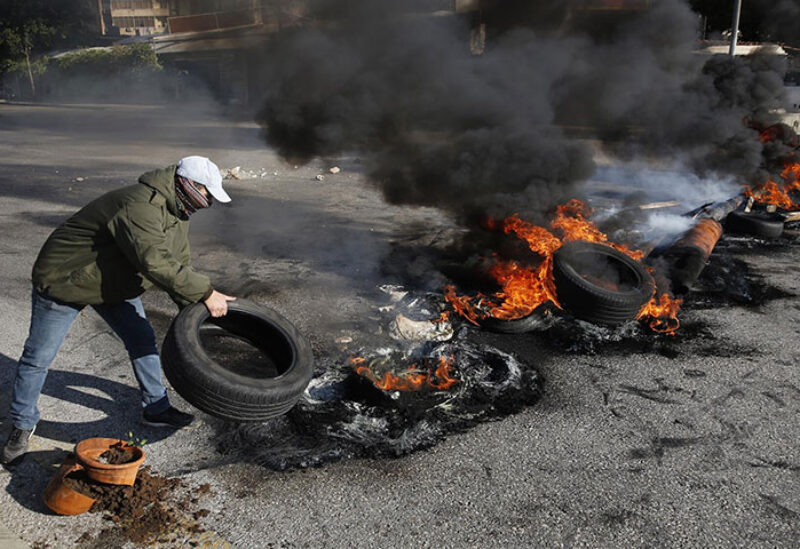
{"points": [[62, 499], [89, 451]]}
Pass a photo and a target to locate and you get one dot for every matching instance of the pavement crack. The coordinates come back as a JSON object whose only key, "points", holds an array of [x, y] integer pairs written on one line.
{"points": [[777, 464], [775, 398], [649, 394], [780, 509]]}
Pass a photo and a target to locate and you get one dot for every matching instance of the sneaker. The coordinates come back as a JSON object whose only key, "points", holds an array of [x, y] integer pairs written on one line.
{"points": [[16, 445], [171, 417]]}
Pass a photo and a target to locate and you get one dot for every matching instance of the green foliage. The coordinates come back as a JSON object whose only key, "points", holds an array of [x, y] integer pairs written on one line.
{"points": [[29, 27], [62, 23], [135, 441], [138, 57], [121, 74], [38, 66], [23, 38]]}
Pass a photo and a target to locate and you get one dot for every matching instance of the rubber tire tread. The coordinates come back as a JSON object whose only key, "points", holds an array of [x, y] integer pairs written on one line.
{"points": [[521, 325], [536, 321], [757, 224], [213, 389], [590, 302]]}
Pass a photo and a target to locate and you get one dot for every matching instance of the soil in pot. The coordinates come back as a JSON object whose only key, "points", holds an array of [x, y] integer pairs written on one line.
{"points": [[118, 453], [109, 460], [81, 483]]}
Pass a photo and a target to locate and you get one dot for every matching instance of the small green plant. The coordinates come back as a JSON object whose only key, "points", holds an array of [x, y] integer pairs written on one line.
{"points": [[135, 441]]}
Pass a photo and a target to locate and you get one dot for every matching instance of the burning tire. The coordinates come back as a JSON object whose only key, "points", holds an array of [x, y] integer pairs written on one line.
{"points": [[255, 387], [600, 284], [539, 319], [757, 224]]}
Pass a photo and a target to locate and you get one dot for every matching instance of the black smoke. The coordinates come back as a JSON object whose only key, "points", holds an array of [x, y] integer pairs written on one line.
{"points": [[781, 21], [437, 125]]}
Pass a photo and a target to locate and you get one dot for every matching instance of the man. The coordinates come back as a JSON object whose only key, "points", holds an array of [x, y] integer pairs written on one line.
{"points": [[106, 256]]}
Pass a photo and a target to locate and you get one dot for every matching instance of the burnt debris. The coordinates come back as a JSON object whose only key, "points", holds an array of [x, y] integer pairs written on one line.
{"points": [[394, 391], [482, 133], [343, 414]]}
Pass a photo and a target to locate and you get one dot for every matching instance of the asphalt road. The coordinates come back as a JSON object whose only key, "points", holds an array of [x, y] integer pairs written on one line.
{"points": [[683, 442]]}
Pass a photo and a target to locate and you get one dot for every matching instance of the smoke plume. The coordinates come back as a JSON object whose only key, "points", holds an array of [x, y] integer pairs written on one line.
{"points": [[436, 124]]}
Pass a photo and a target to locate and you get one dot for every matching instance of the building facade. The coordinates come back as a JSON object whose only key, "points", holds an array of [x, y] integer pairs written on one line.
{"points": [[138, 17], [149, 17]]}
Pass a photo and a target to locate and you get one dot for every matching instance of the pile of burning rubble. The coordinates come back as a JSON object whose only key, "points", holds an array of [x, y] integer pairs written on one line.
{"points": [[426, 378], [524, 289], [483, 136], [389, 402]]}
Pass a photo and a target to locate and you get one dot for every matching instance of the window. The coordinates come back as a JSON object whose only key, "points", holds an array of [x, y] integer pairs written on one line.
{"points": [[131, 4], [129, 22]]}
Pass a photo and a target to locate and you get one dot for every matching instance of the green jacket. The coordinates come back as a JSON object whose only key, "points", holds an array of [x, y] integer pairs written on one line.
{"points": [[119, 245]]}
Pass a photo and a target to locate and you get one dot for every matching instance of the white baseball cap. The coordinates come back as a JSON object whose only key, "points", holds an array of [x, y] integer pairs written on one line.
{"points": [[202, 170]]}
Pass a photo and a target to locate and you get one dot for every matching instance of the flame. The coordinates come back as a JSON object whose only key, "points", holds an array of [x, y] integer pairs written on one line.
{"points": [[768, 135], [571, 220], [412, 378], [539, 239], [524, 288], [463, 304], [661, 314], [771, 193], [777, 194], [444, 317], [791, 175]]}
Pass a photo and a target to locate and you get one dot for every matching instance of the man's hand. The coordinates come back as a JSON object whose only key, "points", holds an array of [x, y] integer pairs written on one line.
{"points": [[217, 304]]}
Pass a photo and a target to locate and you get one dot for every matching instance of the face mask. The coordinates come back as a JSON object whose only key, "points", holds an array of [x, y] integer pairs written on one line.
{"points": [[189, 196]]}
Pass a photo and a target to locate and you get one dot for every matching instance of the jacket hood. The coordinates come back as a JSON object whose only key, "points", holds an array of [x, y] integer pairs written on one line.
{"points": [[162, 181]]}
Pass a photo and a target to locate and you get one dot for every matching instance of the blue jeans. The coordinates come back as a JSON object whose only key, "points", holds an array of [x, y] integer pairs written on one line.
{"points": [[50, 322]]}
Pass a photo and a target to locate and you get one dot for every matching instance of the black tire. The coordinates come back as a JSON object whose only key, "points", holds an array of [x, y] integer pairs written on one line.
{"points": [[764, 225], [621, 300], [233, 395], [539, 319]]}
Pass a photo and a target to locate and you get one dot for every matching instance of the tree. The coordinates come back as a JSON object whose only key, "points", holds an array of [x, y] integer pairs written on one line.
{"points": [[20, 42], [29, 27]]}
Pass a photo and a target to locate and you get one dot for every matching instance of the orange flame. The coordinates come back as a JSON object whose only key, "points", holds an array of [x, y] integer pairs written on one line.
{"points": [[771, 193], [769, 134], [777, 194], [412, 378], [444, 317], [524, 288], [571, 219], [661, 314], [791, 175]]}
